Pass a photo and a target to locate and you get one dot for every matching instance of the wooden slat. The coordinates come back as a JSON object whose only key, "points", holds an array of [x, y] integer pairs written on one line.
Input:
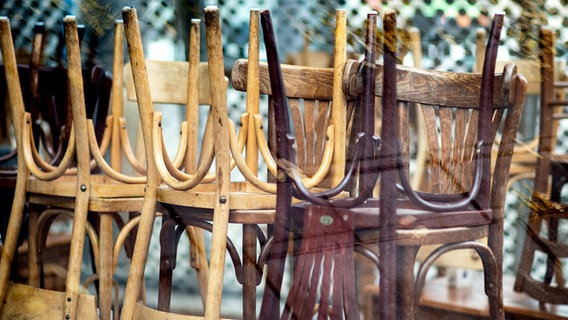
{"points": [[165, 78], [310, 128], [317, 83], [414, 84], [300, 132]]}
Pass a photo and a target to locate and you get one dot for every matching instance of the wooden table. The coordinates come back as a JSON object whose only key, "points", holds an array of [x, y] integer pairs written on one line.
{"points": [[440, 302]]}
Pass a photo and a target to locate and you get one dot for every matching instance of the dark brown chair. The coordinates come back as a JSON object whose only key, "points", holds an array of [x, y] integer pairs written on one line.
{"points": [[548, 212], [462, 114]]}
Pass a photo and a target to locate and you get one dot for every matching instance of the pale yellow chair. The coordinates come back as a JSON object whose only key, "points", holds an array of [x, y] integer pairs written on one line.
{"points": [[70, 188]]}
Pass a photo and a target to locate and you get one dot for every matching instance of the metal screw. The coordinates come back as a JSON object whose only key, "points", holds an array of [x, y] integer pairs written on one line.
{"points": [[223, 199], [83, 188]]}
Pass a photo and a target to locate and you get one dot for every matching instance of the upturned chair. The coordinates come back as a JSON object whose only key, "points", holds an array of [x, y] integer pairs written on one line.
{"points": [[70, 188], [286, 159], [165, 78], [185, 200], [46, 101], [217, 196], [548, 210], [462, 113], [525, 155]]}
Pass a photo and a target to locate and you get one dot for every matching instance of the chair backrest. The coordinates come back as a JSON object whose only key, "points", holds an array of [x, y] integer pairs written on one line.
{"points": [[450, 104], [166, 81], [318, 109], [45, 97]]}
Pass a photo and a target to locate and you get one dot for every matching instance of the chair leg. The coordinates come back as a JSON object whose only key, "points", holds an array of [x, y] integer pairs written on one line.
{"points": [[135, 281], [12, 232], [167, 262], [405, 282], [198, 257], [495, 271], [73, 282], [249, 271], [105, 265], [34, 251]]}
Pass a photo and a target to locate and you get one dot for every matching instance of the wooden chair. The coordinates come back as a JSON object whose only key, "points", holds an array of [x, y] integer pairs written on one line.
{"points": [[548, 211], [286, 154], [46, 101], [73, 187], [460, 207], [525, 154], [252, 201], [218, 195]]}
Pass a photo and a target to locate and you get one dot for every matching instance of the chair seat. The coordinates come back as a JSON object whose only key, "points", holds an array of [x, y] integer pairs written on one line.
{"points": [[415, 226], [21, 302], [143, 312], [412, 218]]}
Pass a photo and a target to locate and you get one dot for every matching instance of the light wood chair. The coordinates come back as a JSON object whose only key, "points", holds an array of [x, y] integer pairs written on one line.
{"points": [[216, 197], [191, 202], [70, 187], [548, 211]]}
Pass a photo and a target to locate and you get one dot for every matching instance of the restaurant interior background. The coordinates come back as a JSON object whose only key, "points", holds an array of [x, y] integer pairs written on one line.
{"points": [[447, 29]]}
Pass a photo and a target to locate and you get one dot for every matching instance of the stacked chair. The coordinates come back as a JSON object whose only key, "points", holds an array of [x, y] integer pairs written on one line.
{"points": [[525, 154], [81, 184], [193, 198], [463, 113], [548, 212]]}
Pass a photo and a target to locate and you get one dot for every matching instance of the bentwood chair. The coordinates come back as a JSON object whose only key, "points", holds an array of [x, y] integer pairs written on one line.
{"points": [[73, 187], [462, 114], [525, 155], [548, 210], [218, 195], [46, 101], [165, 78], [252, 201]]}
